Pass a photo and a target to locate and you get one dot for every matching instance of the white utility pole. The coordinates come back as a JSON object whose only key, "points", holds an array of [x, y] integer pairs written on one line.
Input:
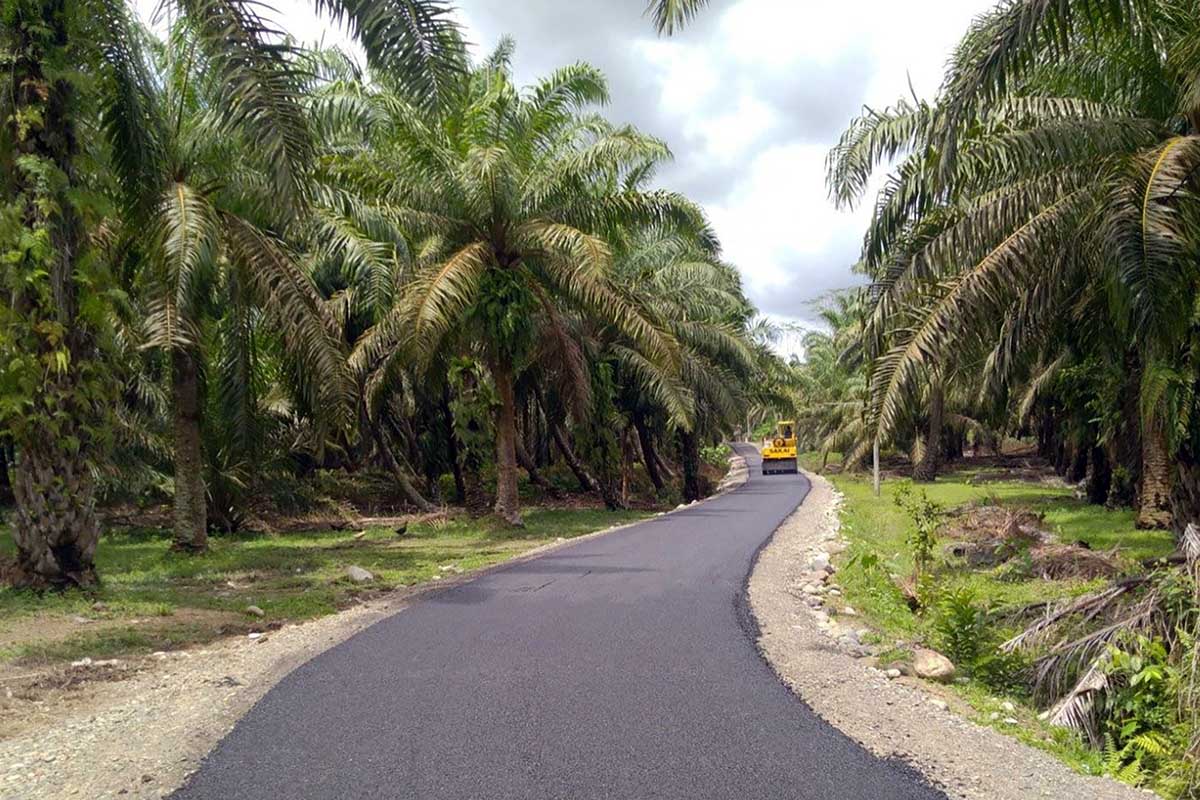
{"points": [[875, 458]]}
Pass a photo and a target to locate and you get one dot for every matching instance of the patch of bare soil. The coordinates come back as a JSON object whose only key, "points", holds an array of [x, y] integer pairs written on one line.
{"points": [[133, 728], [821, 660], [48, 629]]}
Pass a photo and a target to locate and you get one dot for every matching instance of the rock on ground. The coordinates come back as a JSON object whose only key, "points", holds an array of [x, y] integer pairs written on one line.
{"points": [[932, 665], [359, 575], [889, 715]]}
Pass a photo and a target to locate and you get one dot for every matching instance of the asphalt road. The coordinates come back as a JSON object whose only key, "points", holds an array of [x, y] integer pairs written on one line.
{"points": [[617, 667]]}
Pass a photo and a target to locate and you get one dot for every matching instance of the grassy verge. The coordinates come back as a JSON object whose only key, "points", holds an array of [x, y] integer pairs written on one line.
{"points": [[152, 599], [876, 531]]}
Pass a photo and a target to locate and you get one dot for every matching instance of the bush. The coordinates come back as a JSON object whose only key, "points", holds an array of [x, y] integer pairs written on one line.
{"points": [[1147, 739], [960, 627], [446, 490], [926, 516], [1003, 673], [1140, 700], [717, 457], [962, 632]]}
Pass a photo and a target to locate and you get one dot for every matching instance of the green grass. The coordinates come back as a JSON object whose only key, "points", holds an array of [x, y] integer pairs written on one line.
{"points": [[178, 599], [877, 526], [876, 531]]}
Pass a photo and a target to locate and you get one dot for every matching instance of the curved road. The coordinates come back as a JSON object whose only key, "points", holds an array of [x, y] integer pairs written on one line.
{"points": [[616, 667]]}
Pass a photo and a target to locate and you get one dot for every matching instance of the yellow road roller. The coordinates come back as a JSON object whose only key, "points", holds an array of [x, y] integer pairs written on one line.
{"points": [[779, 453]]}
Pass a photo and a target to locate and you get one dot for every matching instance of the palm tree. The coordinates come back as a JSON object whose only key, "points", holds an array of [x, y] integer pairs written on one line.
{"points": [[679, 280], [218, 269], [54, 389], [1038, 175], [830, 383], [512, 193]]}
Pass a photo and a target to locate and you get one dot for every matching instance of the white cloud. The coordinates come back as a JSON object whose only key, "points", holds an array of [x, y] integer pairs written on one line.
{"points": [[775, 219]]}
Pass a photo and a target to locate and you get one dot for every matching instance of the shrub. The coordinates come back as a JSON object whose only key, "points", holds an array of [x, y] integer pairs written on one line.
{"points": [[717, 456], [926, 516], [1147, 740], [1004, 673], [960, 627], [1140, 698]]}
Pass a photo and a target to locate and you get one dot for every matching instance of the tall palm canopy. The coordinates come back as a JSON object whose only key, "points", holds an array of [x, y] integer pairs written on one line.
{"points": [[671, 15], [237, 263], [1038, 182], [512, 195], [55, 391]]}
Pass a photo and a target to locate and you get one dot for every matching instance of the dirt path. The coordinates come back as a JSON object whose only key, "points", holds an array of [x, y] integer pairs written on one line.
{"points": [[891, 718]]}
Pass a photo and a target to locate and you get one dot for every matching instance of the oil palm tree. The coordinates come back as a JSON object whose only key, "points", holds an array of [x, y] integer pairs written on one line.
{"points": [[513, 192], [54, 389], [1057, 161], [680, 281], [218, 276], [671, 15], [831, 390]]}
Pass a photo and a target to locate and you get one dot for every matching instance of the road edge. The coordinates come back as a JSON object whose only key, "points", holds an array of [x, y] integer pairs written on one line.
{"points": [[896, 720]]}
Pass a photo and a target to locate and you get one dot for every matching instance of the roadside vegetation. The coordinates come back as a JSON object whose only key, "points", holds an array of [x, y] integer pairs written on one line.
{"points": [[1030, 277], [152, 599], [972, 612]]}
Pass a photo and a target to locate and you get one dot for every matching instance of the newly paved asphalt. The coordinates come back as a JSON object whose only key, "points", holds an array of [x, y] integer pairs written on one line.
{"points": [[618, 667]]}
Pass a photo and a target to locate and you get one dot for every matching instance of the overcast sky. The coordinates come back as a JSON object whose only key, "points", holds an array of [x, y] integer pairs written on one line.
{"points": [[750, 98]]}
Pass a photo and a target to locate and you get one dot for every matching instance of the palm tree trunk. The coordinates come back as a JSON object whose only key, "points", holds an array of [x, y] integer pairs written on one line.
{"points": [[1099, 477], [665, 468], [460, 486], [191, 498], [56, 529], [406, 486], [1185, 491], [586, 482], [5, 477], [1077, 471], [649, 457], [1154, 505], [527, 464], [508, 504], [689, 449], [1125, 446], [931, 461]]}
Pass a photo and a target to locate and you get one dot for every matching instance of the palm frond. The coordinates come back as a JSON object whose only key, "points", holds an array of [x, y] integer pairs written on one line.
{"points": [[671, 15]]}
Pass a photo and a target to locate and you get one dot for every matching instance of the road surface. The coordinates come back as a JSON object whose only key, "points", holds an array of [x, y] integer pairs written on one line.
{"points": [[617, 667]]}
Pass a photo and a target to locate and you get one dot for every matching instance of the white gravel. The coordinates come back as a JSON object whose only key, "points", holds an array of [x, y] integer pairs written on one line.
{"points": [[897, 719]]}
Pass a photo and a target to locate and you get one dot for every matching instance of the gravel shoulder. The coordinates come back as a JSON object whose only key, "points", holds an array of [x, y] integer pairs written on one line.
{"points": [[135, 729], [902, 719]]}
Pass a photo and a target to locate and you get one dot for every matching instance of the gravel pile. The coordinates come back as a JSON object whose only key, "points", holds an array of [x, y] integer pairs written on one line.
{"points": [[892, 717]]}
